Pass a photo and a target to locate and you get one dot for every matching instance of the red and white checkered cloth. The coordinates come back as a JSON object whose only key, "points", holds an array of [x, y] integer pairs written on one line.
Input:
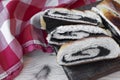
{"points": [[18, 35]]}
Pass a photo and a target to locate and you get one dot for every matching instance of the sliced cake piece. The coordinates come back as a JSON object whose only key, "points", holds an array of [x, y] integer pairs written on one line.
{"points": [[87, 50], [63, 34], [60, 16]]}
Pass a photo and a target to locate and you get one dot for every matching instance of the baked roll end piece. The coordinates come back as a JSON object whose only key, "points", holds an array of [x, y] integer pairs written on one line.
{"points": [[87, 50], [109, 10]]}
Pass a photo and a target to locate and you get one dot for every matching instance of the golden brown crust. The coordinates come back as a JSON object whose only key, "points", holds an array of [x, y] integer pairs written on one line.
{"points": [[106, 2], [42, 22], [116, 5], [111, 10], [112, 17], [112, 5]]}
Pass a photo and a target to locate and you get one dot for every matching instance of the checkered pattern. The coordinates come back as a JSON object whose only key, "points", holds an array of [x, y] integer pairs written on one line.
{"points": [[18, 35]]}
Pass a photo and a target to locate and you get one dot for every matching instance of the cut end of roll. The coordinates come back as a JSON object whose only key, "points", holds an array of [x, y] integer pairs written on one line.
{"points": [[109, 10], [60, 16], [88, 50], [63, 34]]}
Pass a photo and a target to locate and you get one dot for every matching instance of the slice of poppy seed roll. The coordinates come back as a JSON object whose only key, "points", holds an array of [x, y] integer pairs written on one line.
{"points": [[63, 34], [62, 16], [87, 50]]}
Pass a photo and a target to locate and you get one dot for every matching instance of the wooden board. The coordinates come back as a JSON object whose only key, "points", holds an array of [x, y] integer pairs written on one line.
{"points": [[92, 71]]}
